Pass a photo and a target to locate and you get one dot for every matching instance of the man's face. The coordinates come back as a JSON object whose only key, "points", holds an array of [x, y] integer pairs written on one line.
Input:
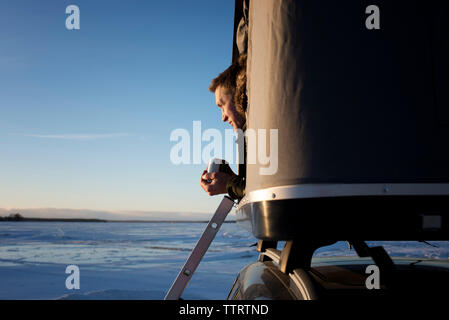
{"points": [[228, 111]]}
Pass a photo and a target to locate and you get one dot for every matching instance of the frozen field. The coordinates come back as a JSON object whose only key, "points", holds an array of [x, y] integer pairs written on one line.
{"points": [[136, 260]]}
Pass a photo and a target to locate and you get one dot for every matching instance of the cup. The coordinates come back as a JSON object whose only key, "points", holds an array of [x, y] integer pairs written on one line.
{"points": [[216, 165]]}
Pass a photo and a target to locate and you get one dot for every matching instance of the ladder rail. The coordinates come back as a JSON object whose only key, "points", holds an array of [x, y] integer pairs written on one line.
{"points": [[200, 249]]}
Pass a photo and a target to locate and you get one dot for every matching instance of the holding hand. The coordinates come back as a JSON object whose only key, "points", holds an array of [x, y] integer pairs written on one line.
{"points": [[215, 183]]}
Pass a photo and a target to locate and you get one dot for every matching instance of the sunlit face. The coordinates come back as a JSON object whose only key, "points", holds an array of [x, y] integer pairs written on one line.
{"points": [[229, 113]]}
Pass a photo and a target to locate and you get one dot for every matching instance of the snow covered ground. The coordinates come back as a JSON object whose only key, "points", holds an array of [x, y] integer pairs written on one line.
{"points": [[136, 260]]}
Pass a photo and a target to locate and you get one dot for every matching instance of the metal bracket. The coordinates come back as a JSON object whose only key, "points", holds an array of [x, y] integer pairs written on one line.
{"points": [[379, 256], [263, 245], [298, 254]]}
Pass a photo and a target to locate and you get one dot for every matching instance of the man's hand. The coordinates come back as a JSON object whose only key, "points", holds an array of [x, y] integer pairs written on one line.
{"points": [[215, 183]]}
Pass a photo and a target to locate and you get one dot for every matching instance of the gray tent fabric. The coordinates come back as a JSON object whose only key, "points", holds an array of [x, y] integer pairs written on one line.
{"points": [[351, 104]]}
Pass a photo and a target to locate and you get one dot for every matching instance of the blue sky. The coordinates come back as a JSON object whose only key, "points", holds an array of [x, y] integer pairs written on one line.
{"points": [[86, 115]]}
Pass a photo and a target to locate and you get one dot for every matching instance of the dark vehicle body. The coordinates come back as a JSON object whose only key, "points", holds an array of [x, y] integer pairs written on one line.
{"points": [[341, 278], [362, 116]]}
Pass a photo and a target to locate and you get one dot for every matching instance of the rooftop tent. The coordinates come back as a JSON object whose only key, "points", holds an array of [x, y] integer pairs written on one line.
{"points": [[359, 96]]}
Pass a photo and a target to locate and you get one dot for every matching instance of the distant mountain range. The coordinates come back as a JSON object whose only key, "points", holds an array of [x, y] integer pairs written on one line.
{"points": [[56, 214]]}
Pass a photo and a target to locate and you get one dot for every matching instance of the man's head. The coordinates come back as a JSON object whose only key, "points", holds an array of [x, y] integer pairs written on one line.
{"points": [[224, 100], [227, 88]]}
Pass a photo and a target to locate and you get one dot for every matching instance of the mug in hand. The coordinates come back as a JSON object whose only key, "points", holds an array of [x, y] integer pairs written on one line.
{"points": [[217, 165]]}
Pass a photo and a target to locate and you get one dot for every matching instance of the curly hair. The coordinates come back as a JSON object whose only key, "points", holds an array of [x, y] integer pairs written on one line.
{"points": [[233, 79], [240, 97]]}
